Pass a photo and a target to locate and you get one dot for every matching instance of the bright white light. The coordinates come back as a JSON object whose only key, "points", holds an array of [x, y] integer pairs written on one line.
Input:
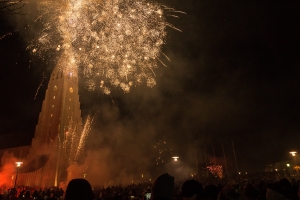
{"points": [[287, 165], [19, 164], [175, 158], [293, 153]]}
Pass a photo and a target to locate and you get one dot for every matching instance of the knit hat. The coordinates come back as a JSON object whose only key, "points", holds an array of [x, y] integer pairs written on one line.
{"points": [[163, 187], [191, 187]]}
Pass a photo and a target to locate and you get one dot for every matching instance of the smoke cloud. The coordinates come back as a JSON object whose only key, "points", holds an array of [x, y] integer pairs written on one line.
{"points": [[7, 170]]}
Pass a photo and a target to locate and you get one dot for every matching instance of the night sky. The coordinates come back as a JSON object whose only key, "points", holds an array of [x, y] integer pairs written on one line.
{"points": [[233, 76]]}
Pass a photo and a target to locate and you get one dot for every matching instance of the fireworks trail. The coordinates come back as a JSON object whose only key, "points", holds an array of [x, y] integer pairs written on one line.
{"points": [[114, 42], [41, 84], [74, 140], [70, 142], [86, 129], [7, 34]]}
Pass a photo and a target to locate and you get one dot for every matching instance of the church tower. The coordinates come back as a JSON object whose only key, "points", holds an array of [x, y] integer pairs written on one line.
{"points": [[58, 130]]}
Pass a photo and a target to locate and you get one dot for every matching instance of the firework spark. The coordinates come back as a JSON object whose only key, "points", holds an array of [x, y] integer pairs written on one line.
{"points": [[86, 129], [216, 170], [70, 143], [41, 84], [74, 140], [162, 152], [9, 33], [115, 42]]}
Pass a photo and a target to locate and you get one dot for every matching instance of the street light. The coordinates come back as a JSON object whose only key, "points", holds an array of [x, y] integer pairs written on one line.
{"points": [[18, 166], [293, 153], [175, 158]]}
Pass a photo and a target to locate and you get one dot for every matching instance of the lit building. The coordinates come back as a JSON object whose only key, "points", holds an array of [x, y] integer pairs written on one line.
{"points": [[58, 130]]}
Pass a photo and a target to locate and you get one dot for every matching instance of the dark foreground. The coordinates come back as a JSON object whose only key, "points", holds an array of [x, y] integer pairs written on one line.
{"points": [[164, 188]]}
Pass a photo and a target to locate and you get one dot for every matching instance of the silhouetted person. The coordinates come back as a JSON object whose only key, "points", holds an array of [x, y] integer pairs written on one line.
{"points": [[250, 192], [228, 193], [275, 192], [79, 189], [211, 192], [286, 186], [192, 190], [163, 188], [52, 196]]}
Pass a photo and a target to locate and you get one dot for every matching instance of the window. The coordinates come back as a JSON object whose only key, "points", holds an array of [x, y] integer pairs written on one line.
{"points": [[52, 106], [55, 87], [71, 89], [69, 108], [51, 115], [70, 99], [53, 97]]}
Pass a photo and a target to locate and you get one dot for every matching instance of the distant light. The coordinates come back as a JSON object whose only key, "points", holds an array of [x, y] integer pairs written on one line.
{"points": [[276, 170], [287, 165], [175, 158], [293, 153], [19, 164], [239, 172]]}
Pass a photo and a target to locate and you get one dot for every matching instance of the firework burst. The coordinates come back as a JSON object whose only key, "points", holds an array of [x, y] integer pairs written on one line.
{"points": [[216, 170], [115, 42]]}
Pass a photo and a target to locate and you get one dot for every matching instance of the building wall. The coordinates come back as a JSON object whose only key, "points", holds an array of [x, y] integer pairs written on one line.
{"points": [[59, 123]]}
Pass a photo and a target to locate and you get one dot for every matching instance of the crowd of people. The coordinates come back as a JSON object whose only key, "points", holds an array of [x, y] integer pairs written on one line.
{"points": [[164, 188]]}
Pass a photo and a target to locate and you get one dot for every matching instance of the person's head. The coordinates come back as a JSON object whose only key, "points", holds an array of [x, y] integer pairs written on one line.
{"points": [[286, 186], [163, 188], [191, 189], [228, 193], [211, 192], [51, 194], [79, 189], [250, 191], [27, 194]]}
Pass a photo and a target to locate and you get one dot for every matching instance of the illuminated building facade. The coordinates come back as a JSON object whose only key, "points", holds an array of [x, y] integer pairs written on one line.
{"points": [[52, 148]]}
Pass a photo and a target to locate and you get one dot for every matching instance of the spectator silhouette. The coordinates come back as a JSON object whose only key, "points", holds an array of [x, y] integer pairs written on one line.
{"points": [[192, 190], [163, 188], [211, 192], [79, 189]]}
